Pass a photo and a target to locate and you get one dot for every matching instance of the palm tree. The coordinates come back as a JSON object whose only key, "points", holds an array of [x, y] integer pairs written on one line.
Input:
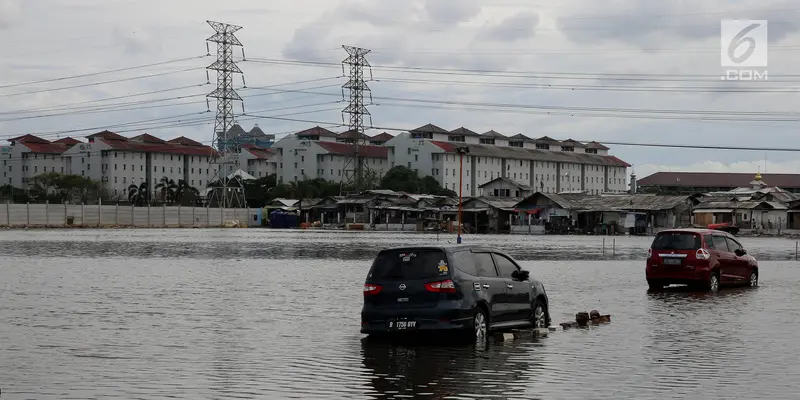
{"points": [[185, 191], [167, 187], [137, 194]]}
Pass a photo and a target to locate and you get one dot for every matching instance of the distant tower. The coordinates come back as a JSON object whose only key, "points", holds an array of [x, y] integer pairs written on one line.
{"points": [[355, 168], [633, 181], [225, 192]]}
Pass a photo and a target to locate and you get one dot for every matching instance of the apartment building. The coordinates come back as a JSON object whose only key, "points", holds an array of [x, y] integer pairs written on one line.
{"points": [[257, 161], [115, 160], [321, 153], [30, 155], [545, 164], [120, 162]]}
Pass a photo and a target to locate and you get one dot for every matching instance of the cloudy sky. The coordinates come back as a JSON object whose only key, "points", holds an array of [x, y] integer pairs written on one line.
{"points": [[621, 71]]}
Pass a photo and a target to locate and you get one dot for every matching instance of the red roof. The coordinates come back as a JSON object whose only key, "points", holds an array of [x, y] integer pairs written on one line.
{"points": [[316, 131], [68, 141], [618, 161], [28, 139], [260, 153], [351, 134], [38, 145], [147, 138], [127, 145], [46, 148], [717, 179], [383, 137], [184, 141], [446, 146], [347, 149], [107, 135]]}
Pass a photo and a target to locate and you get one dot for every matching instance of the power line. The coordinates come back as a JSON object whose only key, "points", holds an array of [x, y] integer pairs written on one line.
{"points": [[613, 88], [70, 105], [608, 111], [101, 83], [73, 106], [526, 74], [63, 78]]}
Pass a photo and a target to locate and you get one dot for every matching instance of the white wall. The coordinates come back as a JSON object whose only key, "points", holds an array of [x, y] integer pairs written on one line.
{"points": [[546, 173], [519, 171], [487, 169], [257, 167], [594, 178]]}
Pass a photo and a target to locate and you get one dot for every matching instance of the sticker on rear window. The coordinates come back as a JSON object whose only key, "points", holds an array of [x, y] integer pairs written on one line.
{"points": [[407, 256], [443, 270]]}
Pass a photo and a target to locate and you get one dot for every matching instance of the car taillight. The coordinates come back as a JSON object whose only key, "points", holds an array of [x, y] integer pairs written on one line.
{"points": [[441, 287], [649, 253], [702, 254], [370, 289]]}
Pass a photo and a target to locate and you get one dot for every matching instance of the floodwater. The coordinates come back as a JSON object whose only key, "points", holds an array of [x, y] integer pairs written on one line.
{"points": [[245, 314]]}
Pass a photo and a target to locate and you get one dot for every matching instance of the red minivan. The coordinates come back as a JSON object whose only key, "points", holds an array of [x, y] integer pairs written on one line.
{"points": [[703, 258]]}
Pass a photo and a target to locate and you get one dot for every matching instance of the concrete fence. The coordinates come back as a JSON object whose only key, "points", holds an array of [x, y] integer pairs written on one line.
{"points": [[92, 216]]}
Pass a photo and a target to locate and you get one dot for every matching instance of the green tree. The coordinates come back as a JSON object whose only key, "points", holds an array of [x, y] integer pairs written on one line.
{"points": [[44, 186], [401, 179], [185, 194], [166, 187], [138, 194], [79, 189], [257, 191]]}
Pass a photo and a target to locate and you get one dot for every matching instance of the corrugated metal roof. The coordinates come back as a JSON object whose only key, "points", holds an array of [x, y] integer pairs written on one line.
{"points": [[622, 202], [509, 181], [717, 179]]}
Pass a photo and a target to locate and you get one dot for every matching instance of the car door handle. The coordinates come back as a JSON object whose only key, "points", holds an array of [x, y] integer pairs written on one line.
{"points": [[510, 286], [485, 285]]}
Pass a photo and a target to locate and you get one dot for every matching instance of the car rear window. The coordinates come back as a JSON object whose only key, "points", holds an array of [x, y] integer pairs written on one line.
{"points": [[398, 265], [677, 241]]}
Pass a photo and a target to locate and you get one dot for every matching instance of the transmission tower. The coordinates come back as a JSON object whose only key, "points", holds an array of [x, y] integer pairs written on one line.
{"points": [[355, 169], [226, 191]]}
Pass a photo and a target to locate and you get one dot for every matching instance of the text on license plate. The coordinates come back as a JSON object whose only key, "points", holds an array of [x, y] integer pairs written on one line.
{"points": [[672, 261], [402, 325]]}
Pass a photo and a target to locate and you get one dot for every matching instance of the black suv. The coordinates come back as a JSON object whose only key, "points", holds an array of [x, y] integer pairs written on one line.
{"points": [[456, 287]]}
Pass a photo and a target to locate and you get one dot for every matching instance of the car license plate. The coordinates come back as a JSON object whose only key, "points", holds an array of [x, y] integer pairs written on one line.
{"points": [[402, 325], [672, 261]]}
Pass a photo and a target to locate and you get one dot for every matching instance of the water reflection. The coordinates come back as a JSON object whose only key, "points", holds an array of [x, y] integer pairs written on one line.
{"points": [[457, 370], [266, 243]]}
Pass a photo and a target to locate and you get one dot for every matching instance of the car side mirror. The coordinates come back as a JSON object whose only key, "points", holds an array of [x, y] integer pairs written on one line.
{"points": [[740, 252], [521, 275]]}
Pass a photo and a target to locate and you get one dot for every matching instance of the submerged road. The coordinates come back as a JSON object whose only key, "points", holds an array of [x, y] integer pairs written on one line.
{"points": [[246, 313]]}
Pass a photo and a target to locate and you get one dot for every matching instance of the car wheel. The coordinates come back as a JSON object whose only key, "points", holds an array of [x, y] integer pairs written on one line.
{"points": [[753, 278], [539, 315], [480, 326], [655, 285], [713, 282]]}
